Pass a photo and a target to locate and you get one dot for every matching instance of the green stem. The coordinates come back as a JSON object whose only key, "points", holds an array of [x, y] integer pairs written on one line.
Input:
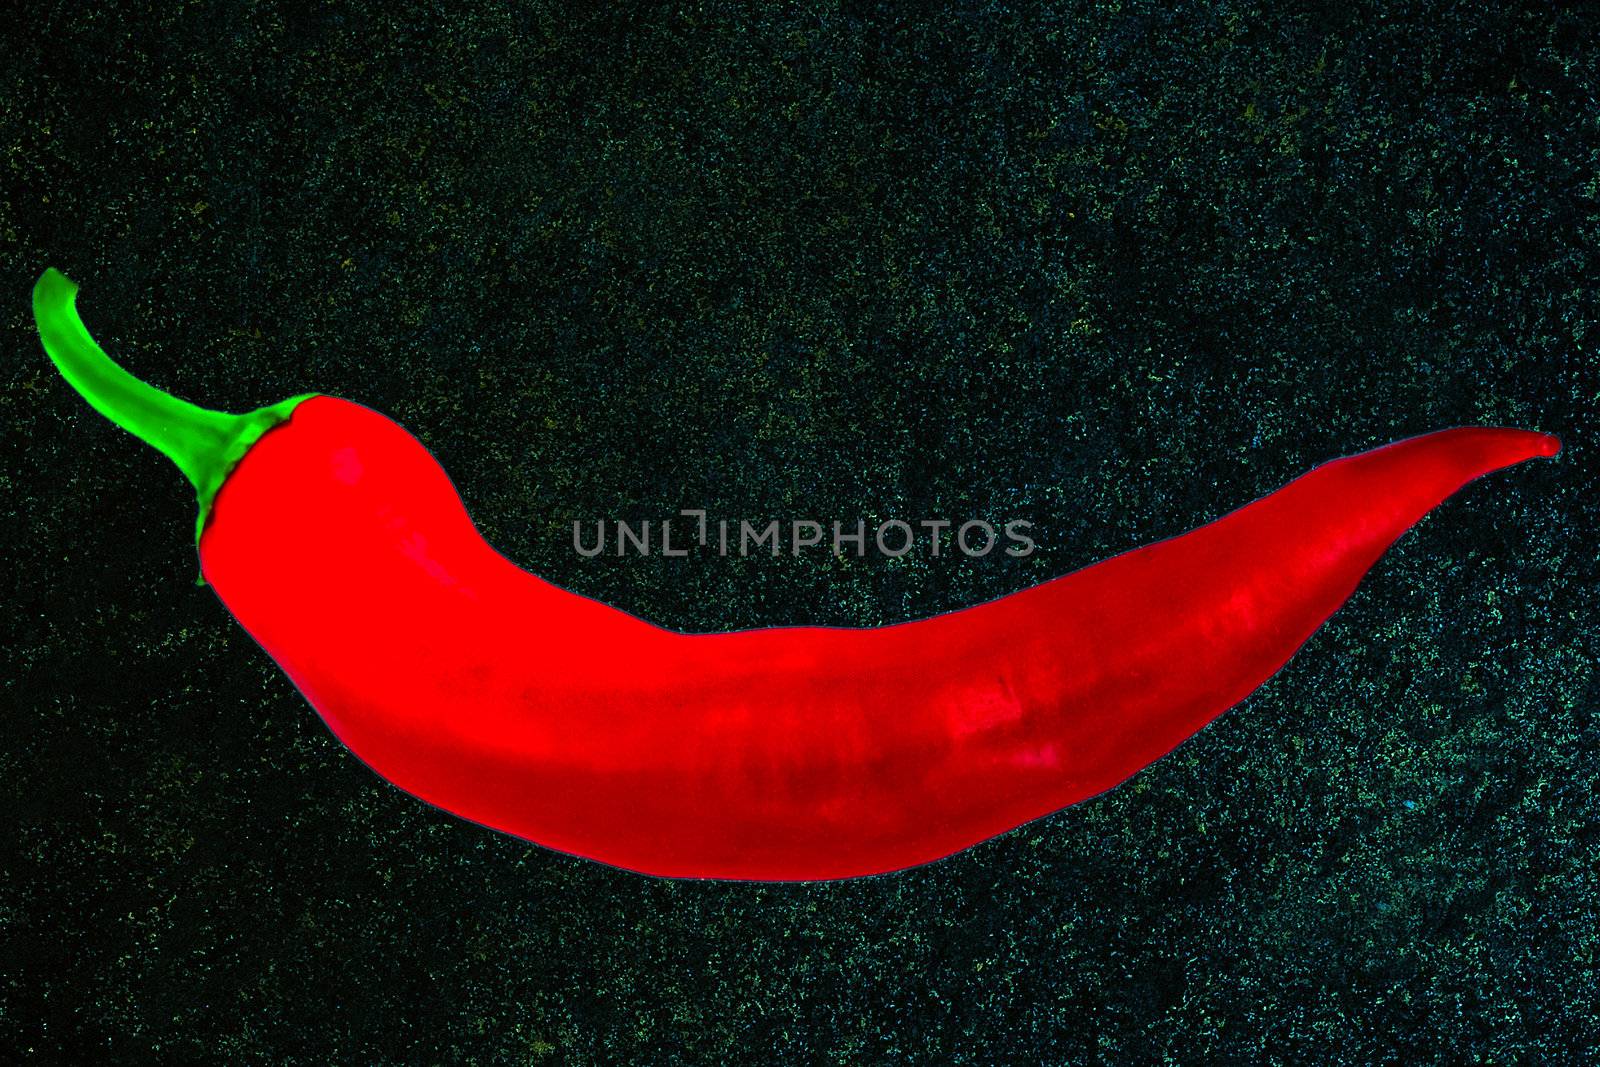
{"points": [[204, 444]]}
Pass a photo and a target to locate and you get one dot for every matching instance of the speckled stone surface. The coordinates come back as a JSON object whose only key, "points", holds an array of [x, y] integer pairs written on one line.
{"points": [[1113, 269]]}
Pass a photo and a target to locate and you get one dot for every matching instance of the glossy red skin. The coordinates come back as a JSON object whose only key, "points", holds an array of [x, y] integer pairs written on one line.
{"points": [[783, 753]]}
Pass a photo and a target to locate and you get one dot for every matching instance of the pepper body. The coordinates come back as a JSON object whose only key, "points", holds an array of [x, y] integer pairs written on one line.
{"points": [[781, 753], [786, 753]]}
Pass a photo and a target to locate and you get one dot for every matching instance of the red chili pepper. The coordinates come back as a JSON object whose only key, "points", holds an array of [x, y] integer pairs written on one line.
{"points": [[784, 753]]}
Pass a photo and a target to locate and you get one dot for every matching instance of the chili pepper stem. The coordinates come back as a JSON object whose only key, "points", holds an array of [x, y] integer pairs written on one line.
{"points": [[205, 444]]}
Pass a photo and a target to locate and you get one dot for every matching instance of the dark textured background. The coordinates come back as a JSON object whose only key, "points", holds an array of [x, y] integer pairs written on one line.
{"points": [[1115, 270]]}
